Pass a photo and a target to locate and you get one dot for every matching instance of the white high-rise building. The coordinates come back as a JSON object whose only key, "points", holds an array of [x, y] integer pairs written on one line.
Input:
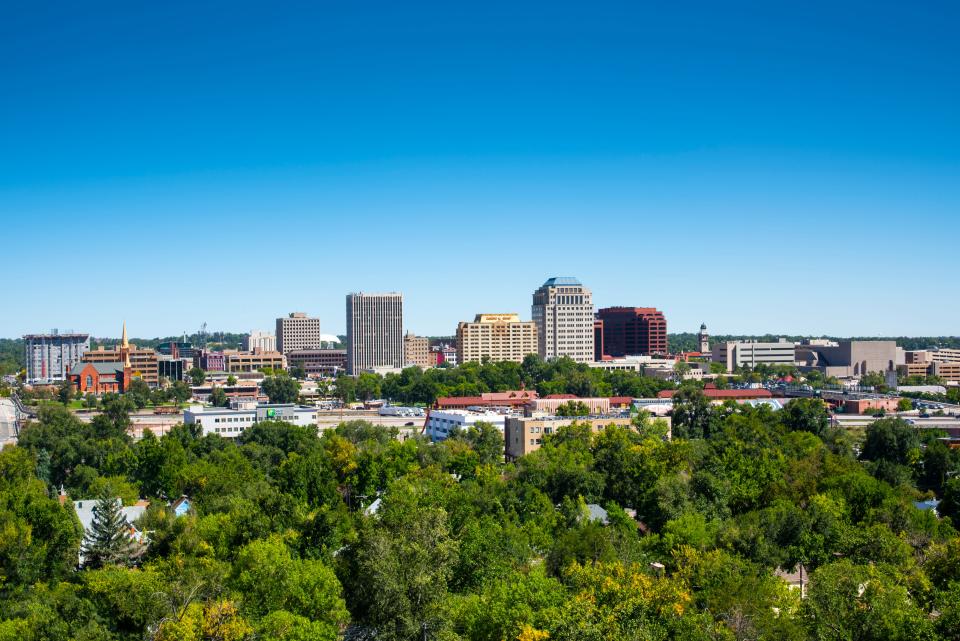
{"points": [[374, 331], [298, 331], [563, 312], [260, 340]]}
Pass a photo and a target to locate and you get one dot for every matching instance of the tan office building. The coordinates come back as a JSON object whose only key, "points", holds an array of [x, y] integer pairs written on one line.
{"points": [[298, 331], [416, 351], [524, 435], [563, 313], [254, 361], [498, 337]]}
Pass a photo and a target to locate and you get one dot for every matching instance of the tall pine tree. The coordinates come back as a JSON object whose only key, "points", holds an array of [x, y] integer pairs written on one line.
{"points": [[108, 542]]}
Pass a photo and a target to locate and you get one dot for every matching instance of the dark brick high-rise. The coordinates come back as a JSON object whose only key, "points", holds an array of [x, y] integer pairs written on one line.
{"points": [[630, 331]]}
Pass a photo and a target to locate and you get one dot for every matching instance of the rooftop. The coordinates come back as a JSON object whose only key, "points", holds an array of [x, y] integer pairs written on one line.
{"points": [[554, 281], [101, 368]]}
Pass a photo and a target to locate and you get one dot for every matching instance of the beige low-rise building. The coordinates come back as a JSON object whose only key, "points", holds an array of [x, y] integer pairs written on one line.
{"points": [[416, 351], [497, 337], [550, 405], [254, 361], [523, 435]]}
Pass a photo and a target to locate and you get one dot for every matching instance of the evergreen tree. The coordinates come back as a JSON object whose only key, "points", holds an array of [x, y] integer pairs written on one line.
{"points": [[108, 542]]}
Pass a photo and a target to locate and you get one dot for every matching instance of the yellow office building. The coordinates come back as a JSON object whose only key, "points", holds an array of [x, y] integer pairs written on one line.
{"points": [[498, 337]]}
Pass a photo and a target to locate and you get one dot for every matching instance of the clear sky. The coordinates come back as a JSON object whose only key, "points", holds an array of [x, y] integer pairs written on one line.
{"points": [[760, 166]]}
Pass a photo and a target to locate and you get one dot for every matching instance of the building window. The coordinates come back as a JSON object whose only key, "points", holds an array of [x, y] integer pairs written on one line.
{"points": [[89, 381]]}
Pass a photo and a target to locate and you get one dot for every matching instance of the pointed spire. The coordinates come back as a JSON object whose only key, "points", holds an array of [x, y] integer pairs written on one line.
{"points": [[125, 347]]}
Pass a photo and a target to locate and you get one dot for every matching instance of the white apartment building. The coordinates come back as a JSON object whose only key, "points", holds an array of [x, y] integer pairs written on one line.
{"points": [[50, 357], [498, 337], [441, 423], [563, 314], [231, 423], [298, 331], [734, 354], [259, 340], [374, 331]]}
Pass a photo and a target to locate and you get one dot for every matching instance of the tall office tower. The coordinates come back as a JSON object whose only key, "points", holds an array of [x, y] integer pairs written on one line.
{"points": [[374, 331], [498, 337], [262, 341], [563, 312], [51, 356], [298, 331], [703, 338], [632, 331]]}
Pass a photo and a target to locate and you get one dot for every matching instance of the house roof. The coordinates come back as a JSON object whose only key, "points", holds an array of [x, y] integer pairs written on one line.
{"points": [[84, 510], [597, 513], [373, 508], [509, 395], [101, 368]]}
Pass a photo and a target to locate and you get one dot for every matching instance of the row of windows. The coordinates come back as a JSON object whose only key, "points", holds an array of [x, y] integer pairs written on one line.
{"points": [[536, 430]]}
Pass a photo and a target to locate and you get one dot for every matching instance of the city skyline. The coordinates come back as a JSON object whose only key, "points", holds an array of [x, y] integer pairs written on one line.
{"points": [[758, 168]]}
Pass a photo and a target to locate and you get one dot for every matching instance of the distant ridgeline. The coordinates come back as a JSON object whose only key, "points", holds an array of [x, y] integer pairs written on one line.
{"points": [[217, 340], [688, 342]]}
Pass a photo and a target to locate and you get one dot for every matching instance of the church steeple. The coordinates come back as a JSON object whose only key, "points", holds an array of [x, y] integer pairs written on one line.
{"points": [[125, 347]]}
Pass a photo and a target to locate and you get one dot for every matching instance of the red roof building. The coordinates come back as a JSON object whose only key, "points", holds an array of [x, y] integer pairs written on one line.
{"points": [[514, 398]]}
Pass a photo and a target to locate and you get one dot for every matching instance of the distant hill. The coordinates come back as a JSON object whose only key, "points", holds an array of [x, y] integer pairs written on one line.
{"points": [[688, 342]]}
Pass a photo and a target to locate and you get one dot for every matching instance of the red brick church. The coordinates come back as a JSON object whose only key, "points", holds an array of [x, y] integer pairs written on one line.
{"points": [[101, 378]]}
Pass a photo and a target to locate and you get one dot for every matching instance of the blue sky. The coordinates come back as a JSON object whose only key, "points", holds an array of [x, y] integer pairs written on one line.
{"points": [[757, 166]]}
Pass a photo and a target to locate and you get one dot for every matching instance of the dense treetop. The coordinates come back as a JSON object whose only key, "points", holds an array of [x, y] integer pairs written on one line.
{"points": [[300, 535]]}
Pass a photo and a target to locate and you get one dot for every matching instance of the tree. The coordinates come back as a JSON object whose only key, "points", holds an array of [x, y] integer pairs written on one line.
{"points": [[138, 392], [807, 415], [65, 392], [218, 398], [197, 375], [693, 415], [231, 380], [345, 388], [849, 601], [892, 440], [573, 408], [950, 503], [487, 441], [401, 571], [272, 580], [297, 372], [40, 538], [180, 392], [108, 542], [281, 389], [904, 405], [368, 386]]}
